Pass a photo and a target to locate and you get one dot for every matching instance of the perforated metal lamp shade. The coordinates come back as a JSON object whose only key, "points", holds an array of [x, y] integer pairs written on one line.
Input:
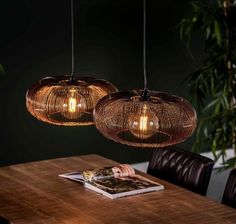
{"points": [[59, 101], [160, 121]]}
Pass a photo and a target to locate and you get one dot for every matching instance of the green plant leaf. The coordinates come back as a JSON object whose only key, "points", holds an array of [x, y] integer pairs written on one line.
{"points": [[194, 19], [212, 84], [211, 104], [208, 32], [195, 6], [217, 32]]}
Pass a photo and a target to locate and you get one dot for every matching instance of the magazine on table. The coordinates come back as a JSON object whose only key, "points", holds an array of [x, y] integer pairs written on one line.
{"points": [[114, 182]]}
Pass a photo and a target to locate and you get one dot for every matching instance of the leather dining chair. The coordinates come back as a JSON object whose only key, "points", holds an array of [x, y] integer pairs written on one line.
{"points": [[183, 168], [3, 220], [229, 196]]}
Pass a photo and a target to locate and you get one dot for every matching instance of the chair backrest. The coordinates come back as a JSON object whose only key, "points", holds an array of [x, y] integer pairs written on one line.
{"points": [[229, 197], [183, 168], [3, 220]]}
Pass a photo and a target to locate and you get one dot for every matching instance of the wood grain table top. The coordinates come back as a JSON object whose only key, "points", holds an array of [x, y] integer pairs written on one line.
{"points": [[32, 193]]}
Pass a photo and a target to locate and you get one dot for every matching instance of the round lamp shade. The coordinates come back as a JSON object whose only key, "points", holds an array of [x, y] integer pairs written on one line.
{"points": [[60, 101], [160, 121]]}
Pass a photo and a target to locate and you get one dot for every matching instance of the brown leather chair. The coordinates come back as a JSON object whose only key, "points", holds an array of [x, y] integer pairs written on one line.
{"points": [[183, 168], [3, 220], [229, 197]]}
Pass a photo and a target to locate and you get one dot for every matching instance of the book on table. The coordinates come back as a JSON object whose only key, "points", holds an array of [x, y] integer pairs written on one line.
{"points": [[114, 182]]}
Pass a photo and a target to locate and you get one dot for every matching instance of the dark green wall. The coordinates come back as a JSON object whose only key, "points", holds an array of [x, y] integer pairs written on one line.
{"points": [[35, 42]]}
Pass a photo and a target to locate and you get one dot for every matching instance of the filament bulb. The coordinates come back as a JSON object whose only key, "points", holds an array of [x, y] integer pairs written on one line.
{"points": [[73, 106], [143, 124]]}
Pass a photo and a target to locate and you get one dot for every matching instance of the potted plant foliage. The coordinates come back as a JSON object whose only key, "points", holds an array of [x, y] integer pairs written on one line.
{"points": [[213, 83]]}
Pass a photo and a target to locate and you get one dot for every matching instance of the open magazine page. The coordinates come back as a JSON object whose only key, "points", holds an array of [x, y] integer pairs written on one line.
{"points": [[77, 176], [121, 170], [114, 182], [123, 184]]}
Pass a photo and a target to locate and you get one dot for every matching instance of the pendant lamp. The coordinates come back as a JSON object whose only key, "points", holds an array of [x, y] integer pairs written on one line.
{"points": [[67, 100], [144, 118]]}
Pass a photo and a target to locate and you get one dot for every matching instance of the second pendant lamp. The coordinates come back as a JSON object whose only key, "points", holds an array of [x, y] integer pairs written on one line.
{"points": [[67, 100], [144, 118]]}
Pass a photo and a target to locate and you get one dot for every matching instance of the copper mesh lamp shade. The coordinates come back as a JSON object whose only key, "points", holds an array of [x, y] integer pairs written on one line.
{"points": [[157, 121], [60, 101], [67, 100], [144, 118]]}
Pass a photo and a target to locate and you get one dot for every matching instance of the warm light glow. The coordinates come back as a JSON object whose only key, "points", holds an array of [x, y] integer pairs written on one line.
{"points": [[143, 122], [72, 105], [72, 101], [143, 125]]}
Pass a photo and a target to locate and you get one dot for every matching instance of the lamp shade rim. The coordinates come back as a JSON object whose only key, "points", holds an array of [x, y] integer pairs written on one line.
{"points": [[135, 95], [79, 79]]}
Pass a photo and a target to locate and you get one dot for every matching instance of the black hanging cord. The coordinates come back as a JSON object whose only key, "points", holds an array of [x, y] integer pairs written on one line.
{"points": [[72, 77], [144, 45], [145, 94]]}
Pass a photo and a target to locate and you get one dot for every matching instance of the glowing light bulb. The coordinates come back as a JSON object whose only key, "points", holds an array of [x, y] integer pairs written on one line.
{"points": [[72, 104], [73, 107], [143, 125]]}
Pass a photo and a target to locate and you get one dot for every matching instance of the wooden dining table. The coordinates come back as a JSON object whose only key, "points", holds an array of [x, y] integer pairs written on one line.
{"points": [[33, 193]]}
